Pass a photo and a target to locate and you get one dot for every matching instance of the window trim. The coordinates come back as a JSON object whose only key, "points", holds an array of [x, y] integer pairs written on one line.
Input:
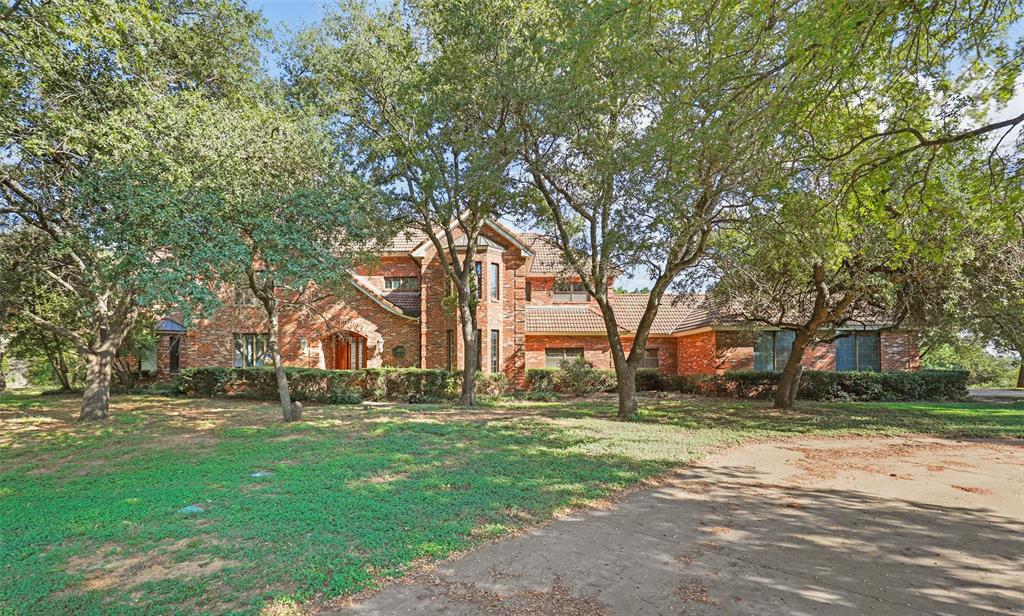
{"points": [[495, 341], [777, 363], [494, 282], [561, 354], [854, 337], [644, 363], [576, 293], [404, 283], [241, 359]]}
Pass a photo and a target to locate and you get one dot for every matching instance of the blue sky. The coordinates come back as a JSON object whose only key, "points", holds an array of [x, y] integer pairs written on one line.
{"points": [[291, 13]]}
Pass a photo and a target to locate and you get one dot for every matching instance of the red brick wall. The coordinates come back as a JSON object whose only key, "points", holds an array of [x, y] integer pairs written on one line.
{"points": [[597, 350], [900, 351], [735, 351], [210, 342], [695, 354]]}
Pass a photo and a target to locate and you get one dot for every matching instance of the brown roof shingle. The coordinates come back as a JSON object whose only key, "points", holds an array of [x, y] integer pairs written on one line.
{"points": [[547, 258], [563, 319]]}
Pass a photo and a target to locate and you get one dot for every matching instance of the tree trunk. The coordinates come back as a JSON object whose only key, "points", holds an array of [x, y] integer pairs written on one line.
{"points": [[789, 383], [3, 373], [96, 399], [470, 344], [288, 410], [625, 376], [1020, 373]]}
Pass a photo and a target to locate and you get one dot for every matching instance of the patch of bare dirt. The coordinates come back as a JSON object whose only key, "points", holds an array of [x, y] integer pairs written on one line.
{"points": [[973, 489], [827, 462], [107, 568], [693, 591]]}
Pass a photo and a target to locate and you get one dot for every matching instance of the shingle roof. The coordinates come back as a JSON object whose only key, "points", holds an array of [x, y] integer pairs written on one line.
{"points": [[547, 258], [563, 319], [674, 309], [406, 241], [408, 301], [677, 313]]}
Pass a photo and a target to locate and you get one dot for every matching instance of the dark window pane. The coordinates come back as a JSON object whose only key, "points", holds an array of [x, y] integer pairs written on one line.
{"points": [[174, 354], [846, 358], [529, 291], [495, 351], [867, 351], [764, 355], [783, 346]]}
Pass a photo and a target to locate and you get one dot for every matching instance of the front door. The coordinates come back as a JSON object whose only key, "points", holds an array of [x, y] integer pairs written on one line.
{"points": [[349, 352]]}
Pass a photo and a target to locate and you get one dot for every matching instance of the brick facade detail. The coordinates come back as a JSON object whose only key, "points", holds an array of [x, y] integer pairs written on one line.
{"points": [[411, 328]]}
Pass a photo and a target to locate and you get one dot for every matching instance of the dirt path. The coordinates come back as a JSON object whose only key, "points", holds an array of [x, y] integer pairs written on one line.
{"points": [[850, 526]]}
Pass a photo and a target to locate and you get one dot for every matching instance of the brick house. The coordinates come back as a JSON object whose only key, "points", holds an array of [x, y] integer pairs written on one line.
{"points": [[530, 316]]}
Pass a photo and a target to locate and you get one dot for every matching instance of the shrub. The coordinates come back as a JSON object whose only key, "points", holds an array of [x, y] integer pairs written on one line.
{"points": [[575, 378], [412, 385], [858, 386], [649, 379]]}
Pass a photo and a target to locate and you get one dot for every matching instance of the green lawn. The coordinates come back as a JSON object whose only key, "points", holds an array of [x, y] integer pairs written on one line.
{"points": [[89, 521]]}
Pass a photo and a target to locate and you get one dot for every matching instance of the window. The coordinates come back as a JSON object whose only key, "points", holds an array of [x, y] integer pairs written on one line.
{"points": [[650, 359], [479, 351], [398, 352], [495, 283], [529, 291], [495, 352], [859, 351], [451, 349], [251, 350], [478, 270], [771, 350], [243, 296], [174, 354], [570, 292], [401, 283], [553, 358]]}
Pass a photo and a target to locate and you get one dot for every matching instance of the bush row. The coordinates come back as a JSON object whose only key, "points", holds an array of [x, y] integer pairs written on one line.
{"points": [[336, 386], [575, 378], [825, 385]]}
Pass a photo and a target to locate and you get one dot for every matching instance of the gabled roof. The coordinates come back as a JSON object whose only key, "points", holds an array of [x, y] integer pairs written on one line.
{"points": [[674, 311], [547, 258], [168, 325], [375, 295], [503, 231]]}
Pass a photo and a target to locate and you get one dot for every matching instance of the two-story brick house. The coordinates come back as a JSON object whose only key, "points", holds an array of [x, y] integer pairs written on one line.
{"points": [[530, 315]]}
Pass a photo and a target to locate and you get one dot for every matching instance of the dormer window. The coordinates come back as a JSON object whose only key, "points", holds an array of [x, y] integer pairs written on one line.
{"points": [[570, 292], [401, 283]]}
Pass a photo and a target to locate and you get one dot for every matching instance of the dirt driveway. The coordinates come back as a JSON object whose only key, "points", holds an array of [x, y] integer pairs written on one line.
{"points": [[850, 526]]}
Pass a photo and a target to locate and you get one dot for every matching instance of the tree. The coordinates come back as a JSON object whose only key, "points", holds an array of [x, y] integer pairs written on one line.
{"points": [[418, 94], [992, 305], [281, 218], [81, 81], [646, 127]]}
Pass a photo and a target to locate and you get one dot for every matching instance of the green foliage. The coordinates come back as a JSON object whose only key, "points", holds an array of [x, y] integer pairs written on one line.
{"points": [[576, 378], [985, 369], [412, 385], [856, 386]]}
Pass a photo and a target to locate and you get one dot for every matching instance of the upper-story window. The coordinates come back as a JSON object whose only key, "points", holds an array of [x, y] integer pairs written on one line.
{"points": [[529, 291], [495, 282], [570, 292], [478, 270], [401, 283], [243, 296]]}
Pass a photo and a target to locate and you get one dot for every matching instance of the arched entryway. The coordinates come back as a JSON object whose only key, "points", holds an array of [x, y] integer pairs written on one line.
{"points": [[349, 351]]}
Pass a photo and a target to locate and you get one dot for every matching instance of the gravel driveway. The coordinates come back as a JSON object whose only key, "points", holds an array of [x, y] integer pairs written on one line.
{"points": [[840, 526]]}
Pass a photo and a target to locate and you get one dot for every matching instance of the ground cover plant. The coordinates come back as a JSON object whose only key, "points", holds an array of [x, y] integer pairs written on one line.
{"points": [[90, 521]]}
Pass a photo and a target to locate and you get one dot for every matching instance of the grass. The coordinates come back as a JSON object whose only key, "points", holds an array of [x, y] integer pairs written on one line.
{"points": [[89, 521]]}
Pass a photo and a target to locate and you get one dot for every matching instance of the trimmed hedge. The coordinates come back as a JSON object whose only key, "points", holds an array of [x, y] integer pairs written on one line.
{"points": [[336, 386], [853, 386]]}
